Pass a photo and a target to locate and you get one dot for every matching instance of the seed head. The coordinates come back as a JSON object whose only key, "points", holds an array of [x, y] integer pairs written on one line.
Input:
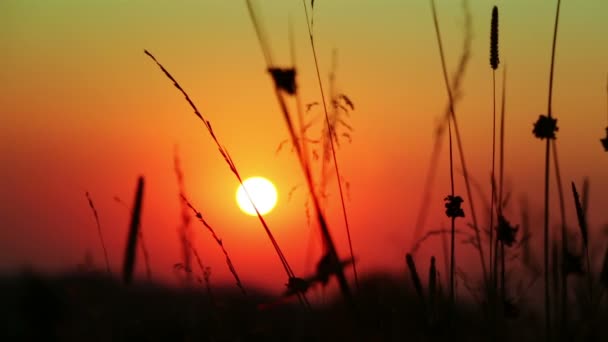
{"points": [[605, 141], [284, 79], [453, 207], [545, 127], [494, 60], [506, 232]]}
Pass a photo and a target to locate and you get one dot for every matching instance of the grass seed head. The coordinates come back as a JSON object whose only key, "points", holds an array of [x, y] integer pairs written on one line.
{"points": [[545, 127], [494, 60]]}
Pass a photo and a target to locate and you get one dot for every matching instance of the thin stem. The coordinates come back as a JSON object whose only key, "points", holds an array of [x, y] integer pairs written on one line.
{"points": [[546, 244], [231, 163], [329, 244], [547, 157], [331, 140], [493, 162], [562, 207], [103, 245], [553, 58], [459, 144], [501, 173], [453, 230], [503, 288]]}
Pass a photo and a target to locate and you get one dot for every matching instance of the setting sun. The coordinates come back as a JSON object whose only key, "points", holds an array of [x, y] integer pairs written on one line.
{"points": [[262, 192]]}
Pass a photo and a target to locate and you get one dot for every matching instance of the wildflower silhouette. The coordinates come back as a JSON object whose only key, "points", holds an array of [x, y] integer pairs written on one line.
{"points": [[285, 79], [453, 207], [506, 232], [326, 267], [297, 285], [545, 127]]}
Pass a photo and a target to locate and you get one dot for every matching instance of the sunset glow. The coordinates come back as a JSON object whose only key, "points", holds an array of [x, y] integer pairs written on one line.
{"points": [[83, 110], [262, 192]]}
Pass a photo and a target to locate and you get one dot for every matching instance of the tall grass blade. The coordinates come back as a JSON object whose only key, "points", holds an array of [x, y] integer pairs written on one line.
{"points": [[129, 259]]}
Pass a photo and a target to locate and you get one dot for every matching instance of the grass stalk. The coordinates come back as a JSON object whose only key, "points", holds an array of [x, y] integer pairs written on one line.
{"points": [[99, 232], [129, 259], [582, 223], [224, 152], [183, 230], [564, 237], [494, 62], [220, 243], [331, 134], [440, 131], [142, 243], [453, 224], [546, 191], [459, 141], [288, 86]]}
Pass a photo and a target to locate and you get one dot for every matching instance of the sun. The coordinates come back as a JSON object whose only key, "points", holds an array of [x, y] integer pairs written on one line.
{"points": [[262, 192]]}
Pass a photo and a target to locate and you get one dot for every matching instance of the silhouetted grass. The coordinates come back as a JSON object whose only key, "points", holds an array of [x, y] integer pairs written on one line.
{"points": [[452, 120], [224, 152], [92, 306], [141, 242], [545, 128], [284, 80], [331, 134], [85, 306], [129, 256], [103, 245]]}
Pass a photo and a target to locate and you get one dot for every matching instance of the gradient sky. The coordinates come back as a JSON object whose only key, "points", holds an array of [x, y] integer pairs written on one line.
{"points": [[83, 109]]}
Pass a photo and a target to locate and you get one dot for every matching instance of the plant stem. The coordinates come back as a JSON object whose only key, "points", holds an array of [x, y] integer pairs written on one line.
{"points": [[547, 157], [459, 144], [331, 134], [493, 163]]}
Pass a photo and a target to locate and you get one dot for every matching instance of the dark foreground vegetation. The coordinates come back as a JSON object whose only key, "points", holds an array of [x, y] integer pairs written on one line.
{"points": [[93, 307]]}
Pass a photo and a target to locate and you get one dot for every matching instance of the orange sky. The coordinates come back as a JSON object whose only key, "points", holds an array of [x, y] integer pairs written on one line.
{"points": [[83, 109]]}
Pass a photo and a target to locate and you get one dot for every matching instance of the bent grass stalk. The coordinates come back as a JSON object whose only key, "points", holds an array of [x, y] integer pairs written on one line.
{"points": [[459, 139], [440, 131], [183, 229], [279, 93], [331, 134], [103, 245], [224, 152], [219, 241], [186, 218]]}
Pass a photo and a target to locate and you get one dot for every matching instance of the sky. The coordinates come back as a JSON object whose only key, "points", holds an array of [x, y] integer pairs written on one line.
{"points": [[83, 109]]}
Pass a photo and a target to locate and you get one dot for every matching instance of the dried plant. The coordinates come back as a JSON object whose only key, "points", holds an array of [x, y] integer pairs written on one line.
{"points": [[330, 134], [103, 245], [220, 243], [452, 120], [280, 93], [284, 84]]}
